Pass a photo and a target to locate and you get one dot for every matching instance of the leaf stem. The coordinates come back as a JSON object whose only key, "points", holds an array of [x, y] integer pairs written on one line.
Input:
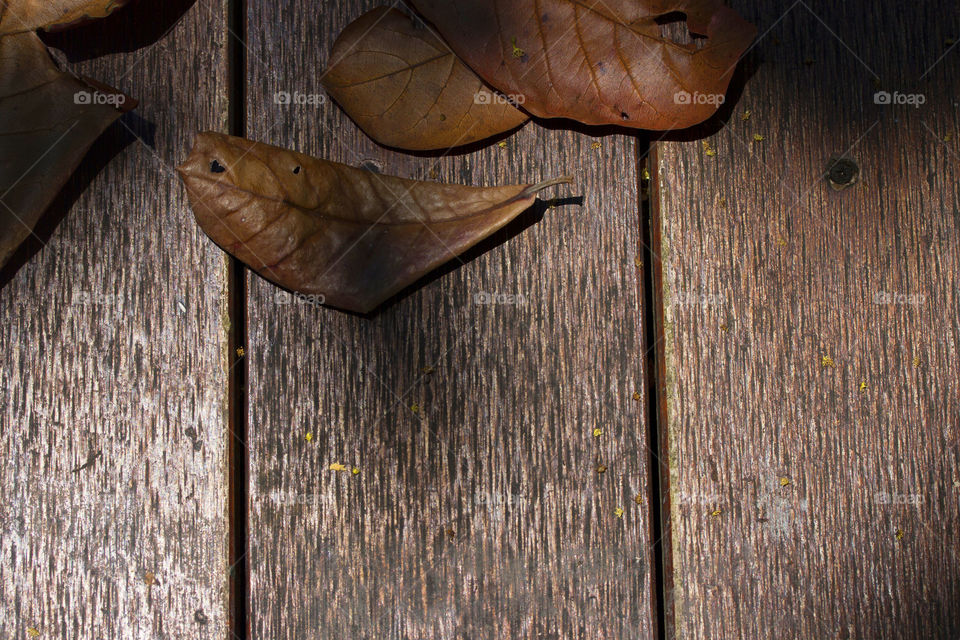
{"points": [[540, 186]]}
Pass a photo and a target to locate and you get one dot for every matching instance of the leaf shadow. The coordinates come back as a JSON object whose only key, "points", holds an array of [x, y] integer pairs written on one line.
{"points": [[115, 139], [511, 230], [135, 26], [508, 232]]}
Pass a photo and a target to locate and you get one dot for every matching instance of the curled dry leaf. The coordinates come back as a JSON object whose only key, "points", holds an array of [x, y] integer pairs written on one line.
{"points": [[18, 16], [48, 120], [406, 88], [317, 227], [601, 62]]}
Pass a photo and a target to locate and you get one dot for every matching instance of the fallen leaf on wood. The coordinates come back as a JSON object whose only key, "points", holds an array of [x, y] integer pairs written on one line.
{"points": [[318, 227], [19, 16], [599, 63], [48, 120], [406, 88]]}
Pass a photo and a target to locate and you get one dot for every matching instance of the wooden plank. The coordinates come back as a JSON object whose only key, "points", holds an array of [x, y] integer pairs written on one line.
{"points": [[812, 335], [114, 365], [478, 510]]}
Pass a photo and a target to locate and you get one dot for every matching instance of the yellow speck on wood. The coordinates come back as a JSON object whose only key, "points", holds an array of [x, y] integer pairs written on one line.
{"points": [[948, 137], [336, 466], [502, 144], [517, 51], [33, 632], [355, 471], [899, 534], [240, 351], [645, 174], [426, 370], [309, 436], [707, 149], [826, 361], [149, 579], [415, 407], [724, 327], [597, 433], [638, 261], [618, 512], [601, 468], [596, 145], [746, 115], [636, 395], [784, 481], [723, 203], [638, 499], [757, 137], [916, 361], [781, 241], [716, 512], [863, 387]]}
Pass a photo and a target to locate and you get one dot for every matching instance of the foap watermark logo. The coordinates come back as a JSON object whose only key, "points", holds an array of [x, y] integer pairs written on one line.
{"points": [[99, 98], [895, 298], [883, 497], [94, 298], [500, 500], [488, 298], [483, 96], [286, 99], [696, 498], [287, 298], [897, 98], [699, 299], [697, 98]]}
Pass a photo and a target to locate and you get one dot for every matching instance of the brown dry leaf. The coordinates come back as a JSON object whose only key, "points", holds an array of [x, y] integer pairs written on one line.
{"points": [[601, 62], [48, 120], [19, 16], [349, 236], [407, 89]]}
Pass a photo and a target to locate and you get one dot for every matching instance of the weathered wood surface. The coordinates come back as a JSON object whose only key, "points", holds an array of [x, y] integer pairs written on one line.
{"points": [[810, 499], [112, 423], [478, 511]]}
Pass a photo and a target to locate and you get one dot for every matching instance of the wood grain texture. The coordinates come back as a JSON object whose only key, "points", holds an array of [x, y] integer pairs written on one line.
{"points": [[113, 413], [813, 497], [477, 511]]}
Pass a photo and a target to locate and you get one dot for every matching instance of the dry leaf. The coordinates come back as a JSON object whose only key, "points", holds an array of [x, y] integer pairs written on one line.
{"points": [[407, 89], [19, 16], [352, 237], [48, 120], [599, 63]]}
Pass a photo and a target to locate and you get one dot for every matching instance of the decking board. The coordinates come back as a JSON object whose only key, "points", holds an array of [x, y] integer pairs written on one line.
{"points": [[481, 513], [811, 336], [113, 518]]}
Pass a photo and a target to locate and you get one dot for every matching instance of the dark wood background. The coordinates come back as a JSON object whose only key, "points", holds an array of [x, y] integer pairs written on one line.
{"points": [[114, 367], [810, 500], [806, 405]]}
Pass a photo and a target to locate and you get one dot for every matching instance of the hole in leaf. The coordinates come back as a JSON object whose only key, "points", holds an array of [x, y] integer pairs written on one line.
{"points": [[674, 27], [670, 18], [296, 169], [216, 167], [624, 115]]}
